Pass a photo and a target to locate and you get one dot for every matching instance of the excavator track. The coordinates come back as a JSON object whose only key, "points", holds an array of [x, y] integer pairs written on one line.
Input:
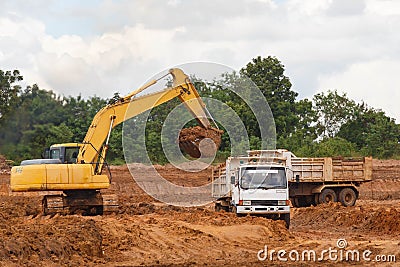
{"points": [[110, 204], [88, 202], [54, 204]]}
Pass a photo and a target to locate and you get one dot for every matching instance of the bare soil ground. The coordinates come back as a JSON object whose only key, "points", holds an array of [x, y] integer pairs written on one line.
{"points": [[146, 232]]}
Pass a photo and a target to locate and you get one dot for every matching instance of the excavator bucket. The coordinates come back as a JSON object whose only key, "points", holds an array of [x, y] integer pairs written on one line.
{"points": [[200, 142]]}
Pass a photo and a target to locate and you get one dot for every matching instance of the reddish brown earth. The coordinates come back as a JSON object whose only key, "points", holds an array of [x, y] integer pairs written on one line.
{"points": [[4, 165], [149, 233]]}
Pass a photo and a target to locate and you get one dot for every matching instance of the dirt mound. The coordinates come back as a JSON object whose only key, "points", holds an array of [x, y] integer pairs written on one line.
{"points": [[5, 165], [187, 237], [334, 215], [200, 142], [59, 240], [36, 239]]}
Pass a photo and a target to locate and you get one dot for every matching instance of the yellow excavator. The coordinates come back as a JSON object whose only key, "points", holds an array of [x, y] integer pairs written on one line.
{"points": [[75, 169]]}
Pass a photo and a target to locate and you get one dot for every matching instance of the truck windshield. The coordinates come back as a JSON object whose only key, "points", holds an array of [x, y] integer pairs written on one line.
{"points": [[254, 178]]}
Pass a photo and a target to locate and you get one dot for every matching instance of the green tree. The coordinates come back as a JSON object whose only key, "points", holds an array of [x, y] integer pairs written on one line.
{"points": [[334, 147], [373, 132], [8, 91], [333, 110], [23, 132], [268, 74]]}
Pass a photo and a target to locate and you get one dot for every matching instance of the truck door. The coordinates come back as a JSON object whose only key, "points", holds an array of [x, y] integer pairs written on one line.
{"points": [[236, 190]]}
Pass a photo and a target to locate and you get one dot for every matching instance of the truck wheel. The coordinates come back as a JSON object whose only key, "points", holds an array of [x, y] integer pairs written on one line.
{"points": [[234, 210], [347, 197], [218, 206], [286, 217], [295, 202], [302, 201], [316, 199], [327, 195]]}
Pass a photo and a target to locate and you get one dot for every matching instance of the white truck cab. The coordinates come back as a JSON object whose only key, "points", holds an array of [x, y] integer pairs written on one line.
{"points": [[246, 185]]}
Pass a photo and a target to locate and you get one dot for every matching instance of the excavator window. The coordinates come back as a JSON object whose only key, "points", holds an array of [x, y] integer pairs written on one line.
{"points": [[55, 153], [71, 153]]}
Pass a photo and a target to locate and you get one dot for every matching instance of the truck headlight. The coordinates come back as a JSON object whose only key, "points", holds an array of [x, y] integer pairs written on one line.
{"points": [[246, 202], [282, 202]]}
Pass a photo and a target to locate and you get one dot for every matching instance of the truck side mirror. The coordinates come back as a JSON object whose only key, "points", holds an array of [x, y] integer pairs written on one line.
{"points": [[297, 178], [232, 179]]}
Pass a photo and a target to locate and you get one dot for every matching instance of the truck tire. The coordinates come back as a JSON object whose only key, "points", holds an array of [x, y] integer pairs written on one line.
{"points": [[327, 195], [295, 202], [286, 218], [218, 207], [316, 199], [234, 210], [347, 197], [302, 201]]}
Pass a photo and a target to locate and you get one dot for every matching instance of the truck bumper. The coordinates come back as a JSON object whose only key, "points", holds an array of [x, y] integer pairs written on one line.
{"points": [[262, 209]]}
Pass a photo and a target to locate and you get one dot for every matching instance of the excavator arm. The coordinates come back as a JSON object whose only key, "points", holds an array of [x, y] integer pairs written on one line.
{"points": [[95, 143]]}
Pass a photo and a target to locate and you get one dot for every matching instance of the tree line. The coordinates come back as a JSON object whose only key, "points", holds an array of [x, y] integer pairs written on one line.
{"points": [[329, 124]]}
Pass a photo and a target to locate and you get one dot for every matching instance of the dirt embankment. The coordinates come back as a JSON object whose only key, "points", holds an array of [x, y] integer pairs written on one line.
{"points": [[29, 239], [5, 166], [379, 220], [385, 184]]}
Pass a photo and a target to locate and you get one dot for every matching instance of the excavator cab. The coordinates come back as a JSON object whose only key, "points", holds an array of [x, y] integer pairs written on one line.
{"points": [[66, 153]]}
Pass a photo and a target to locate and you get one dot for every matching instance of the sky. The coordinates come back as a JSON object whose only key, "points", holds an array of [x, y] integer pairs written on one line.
{"points": [[98, 47]]}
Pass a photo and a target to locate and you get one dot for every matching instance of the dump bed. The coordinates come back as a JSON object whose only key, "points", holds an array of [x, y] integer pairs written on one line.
{"points": [[328, 169], [332, 169], [220, 183]]}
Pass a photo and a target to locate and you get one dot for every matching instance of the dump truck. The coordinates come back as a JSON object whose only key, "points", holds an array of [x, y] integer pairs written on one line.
{"points": [[263, 182], [250, 185], [315, 181]]}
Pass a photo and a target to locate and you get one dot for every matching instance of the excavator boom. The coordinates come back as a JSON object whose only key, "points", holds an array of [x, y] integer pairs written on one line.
{"points": [[112, 115]]}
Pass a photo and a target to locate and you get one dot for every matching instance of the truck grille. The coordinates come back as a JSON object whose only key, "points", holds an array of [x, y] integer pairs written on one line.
{"points": [[264, 202]]}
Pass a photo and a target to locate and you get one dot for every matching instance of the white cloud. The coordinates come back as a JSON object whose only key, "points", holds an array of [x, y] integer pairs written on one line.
{"points": [[375, 82], [384, 7]]}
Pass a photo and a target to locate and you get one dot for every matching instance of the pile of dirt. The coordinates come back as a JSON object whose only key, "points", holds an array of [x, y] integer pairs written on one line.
{"points": [[380, 221], [4, 165], [200, 142], [37, 239], [187, 237], [58, 240]]}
